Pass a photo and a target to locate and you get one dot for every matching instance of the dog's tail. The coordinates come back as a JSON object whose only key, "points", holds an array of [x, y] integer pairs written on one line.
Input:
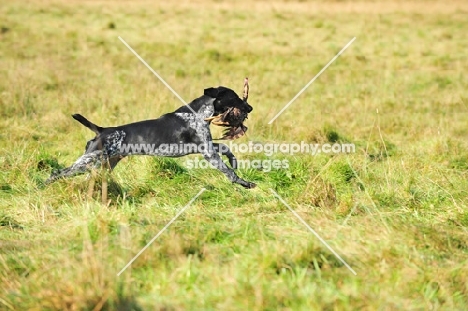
{"points": [[93, 127]]}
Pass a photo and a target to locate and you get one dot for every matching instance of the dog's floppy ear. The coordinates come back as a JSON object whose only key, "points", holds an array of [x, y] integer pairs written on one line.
{"points": [[211, 92], [218, 92]]}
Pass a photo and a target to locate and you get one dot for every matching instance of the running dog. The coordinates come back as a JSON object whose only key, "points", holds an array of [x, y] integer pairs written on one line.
{"points": [[187, 126]]}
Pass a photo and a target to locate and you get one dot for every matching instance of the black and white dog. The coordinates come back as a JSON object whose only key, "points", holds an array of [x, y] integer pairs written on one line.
{"points": [[187, 126]]}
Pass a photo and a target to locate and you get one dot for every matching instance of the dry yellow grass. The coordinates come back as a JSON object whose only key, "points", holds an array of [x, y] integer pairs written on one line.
{"points": [[396, 210]]}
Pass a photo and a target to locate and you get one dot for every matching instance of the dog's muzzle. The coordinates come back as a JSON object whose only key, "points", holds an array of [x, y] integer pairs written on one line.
{"points": [[232, 118]]}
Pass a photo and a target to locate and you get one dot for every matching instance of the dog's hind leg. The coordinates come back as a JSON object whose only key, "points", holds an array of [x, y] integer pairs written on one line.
{"points": [[114, 161], [82, 165]]}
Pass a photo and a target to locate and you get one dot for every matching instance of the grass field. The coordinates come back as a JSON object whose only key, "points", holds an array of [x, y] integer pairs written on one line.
{"points": [[395, 210]]}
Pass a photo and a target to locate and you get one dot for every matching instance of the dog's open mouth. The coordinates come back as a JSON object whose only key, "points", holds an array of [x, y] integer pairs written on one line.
{"points": [[231, 118]]}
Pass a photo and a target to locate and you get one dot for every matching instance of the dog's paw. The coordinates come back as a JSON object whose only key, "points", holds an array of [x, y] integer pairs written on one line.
{"points": [[245, 184], [249, 185]]}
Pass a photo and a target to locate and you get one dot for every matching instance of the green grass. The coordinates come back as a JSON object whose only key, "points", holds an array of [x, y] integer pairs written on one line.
{"points": [[395, 210]]}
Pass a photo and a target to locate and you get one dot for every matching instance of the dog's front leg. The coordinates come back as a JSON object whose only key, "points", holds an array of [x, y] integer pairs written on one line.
{"points": [[212, 156], [224, 150]]}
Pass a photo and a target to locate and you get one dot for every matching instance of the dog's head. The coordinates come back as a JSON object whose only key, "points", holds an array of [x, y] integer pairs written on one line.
{"points": [[230, 110]]}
